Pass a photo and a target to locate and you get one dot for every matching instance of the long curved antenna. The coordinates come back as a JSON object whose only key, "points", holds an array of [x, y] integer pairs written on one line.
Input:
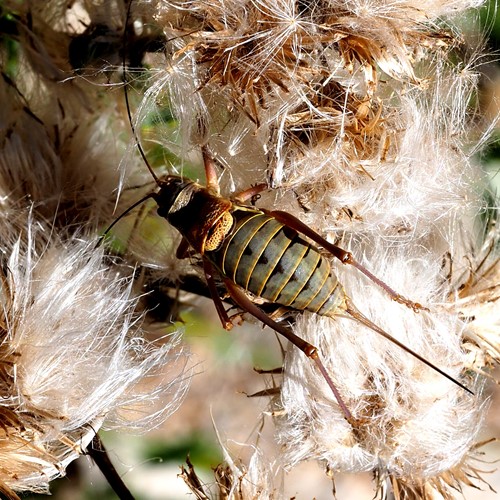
{"points": [[358, 316], [127, 102], [123, 214]]}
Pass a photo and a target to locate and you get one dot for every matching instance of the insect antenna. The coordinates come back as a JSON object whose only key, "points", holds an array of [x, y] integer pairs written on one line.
{"points": [[134, 132], [358, 316], [127, 101], [123, 214]]}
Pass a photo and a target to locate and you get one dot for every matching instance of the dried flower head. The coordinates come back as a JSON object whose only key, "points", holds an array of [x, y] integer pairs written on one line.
{"points": [[360, 115], [74, 357]]}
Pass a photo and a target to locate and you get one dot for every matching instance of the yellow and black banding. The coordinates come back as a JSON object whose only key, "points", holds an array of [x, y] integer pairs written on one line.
{"points": [[274, 262]]}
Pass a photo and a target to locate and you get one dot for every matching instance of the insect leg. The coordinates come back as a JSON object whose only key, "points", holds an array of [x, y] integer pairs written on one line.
{"points": [[249, 193], [397, 297], [219, 306], [213, 182], [210, 171], [308, 349], [343, 255], [182, 250]]}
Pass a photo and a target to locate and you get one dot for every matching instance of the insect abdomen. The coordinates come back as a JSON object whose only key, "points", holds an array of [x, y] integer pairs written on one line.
{"points": [[272, 261]]}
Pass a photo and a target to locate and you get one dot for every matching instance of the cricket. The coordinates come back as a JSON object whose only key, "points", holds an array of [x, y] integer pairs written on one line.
{"points": [[266, 254], [261, 254]]}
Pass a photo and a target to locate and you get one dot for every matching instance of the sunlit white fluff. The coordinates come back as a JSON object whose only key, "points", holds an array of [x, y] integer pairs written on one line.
{"points": [[367, 132], [414, 421], [74, 356]]}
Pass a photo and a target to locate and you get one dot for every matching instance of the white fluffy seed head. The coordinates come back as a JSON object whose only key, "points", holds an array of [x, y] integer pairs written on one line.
{"points": [[358, 115], [74, 357], [413, 421]]}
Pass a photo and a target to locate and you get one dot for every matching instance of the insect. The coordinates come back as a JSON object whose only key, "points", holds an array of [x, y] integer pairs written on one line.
{"points": [[266, 254], [261, 253]]}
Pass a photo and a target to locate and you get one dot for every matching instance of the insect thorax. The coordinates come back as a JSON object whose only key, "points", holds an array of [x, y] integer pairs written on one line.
{"points": [[203, 218]]}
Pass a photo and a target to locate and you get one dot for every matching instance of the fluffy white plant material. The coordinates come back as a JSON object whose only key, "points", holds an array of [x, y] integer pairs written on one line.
{"points": [[413, 422], [74, 358], [62, 134], [358, 115], [357, 112]]}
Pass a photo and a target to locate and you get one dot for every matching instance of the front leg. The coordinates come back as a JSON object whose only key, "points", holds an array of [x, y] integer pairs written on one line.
{"points": [[249, 194], [210, 171], [227, 324]]}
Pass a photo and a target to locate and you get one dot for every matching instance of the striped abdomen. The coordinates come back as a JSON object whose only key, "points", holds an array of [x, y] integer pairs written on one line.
{"points": [[272, 261]]}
